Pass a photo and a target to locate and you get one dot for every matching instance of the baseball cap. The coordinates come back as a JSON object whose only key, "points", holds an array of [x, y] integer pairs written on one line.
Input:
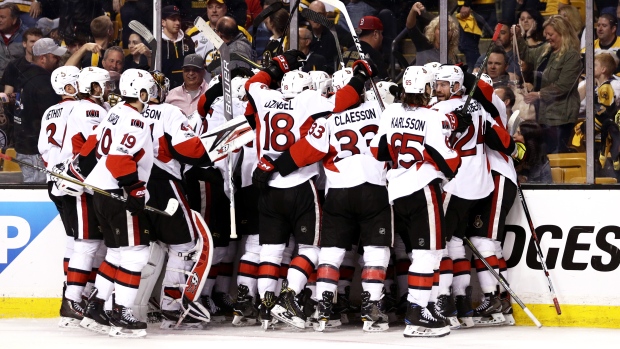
{"points": [[370, 23], [47, 25], [194, 60], [169, 11], [47, 45], [220, 1]]}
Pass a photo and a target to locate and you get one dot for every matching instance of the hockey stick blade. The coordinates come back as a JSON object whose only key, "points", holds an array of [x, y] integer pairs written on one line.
{"points": [[512, 122], [316, 17], [262, 16], [171, 208], [87, 186], [227, 138], [209, 33], [141, 30]]}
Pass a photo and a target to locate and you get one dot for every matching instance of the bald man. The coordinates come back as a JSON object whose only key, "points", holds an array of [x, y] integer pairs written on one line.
{"points": [[314, 61], [323, 42], [228, 30]]}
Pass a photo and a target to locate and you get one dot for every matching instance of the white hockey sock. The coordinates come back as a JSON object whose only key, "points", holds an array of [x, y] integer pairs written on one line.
{"points": [[486, 247], [287, 256], [127, 280], [445, 273], [97, 260], [503, 268], [174, 278], [302, 266], [376, 259], [269, 268], [347, 269], [80, 267], [247, 273], [68, 253], [461, 266], [328, 271], [421, 275], [104, 282], [435, 288]]}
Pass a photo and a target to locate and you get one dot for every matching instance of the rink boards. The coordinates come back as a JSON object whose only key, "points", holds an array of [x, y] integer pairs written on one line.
{"points": [[579, 232]]}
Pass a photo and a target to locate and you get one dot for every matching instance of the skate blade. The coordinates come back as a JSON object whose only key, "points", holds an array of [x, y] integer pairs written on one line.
{"points": [[241, 321], [119, 332], [493, 320], [454, 323], [267, 324], [172, 325], [334, 323], [94, 326], [510, 320], [285, 316], [373, 326], [320, 326], [419, 331], [466, 322], [69, 322]]}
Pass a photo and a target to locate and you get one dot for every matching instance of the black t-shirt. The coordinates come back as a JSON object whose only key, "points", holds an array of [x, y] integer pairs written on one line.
{"points": [[375, 56], [325, 46], [13, 72], [129, 63]]}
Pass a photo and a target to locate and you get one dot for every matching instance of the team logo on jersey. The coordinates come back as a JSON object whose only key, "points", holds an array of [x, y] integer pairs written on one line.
{"points": [[137, 123], [478, 222], [421, 242], [304, 229], [92, 113], [382, 231]]}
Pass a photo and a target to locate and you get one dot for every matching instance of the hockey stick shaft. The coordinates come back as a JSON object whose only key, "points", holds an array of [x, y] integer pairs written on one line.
{"points": [[558, 310], [470, 94], [146, 34], [324, 21], [262, 16], [75, 181], [502, 282], [231, 188], [288, 25]]}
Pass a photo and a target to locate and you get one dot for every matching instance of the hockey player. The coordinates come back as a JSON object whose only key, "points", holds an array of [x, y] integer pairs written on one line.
{"points": [[473, 128], [387, 91], [356, 206], [123, 143], [415, 139], [89, 249], [53, 123], [289, 203]]}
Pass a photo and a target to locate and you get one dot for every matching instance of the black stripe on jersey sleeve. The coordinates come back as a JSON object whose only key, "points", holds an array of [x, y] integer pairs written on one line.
{"points": [[285, 163], [383, 151], [440, 161], [495, 142]]}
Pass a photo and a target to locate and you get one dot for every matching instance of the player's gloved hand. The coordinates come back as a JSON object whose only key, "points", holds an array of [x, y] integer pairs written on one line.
{"points": [[68, 169], [460, 120], [289, 60], [263, 172], [241, 71], [136, 197], [366, 68], [519, 153]]}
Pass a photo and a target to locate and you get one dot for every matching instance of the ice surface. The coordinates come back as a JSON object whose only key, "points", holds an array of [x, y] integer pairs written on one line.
{"points": [[43, 333]]}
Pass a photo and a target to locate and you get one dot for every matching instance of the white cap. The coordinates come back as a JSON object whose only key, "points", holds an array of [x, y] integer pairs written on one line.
{"points": [[47, 45]]}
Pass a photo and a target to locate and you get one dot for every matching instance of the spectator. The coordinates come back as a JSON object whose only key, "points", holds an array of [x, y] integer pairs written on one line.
{"points": [[11, 30], [76, 17], [497, 66], [91, 54], [313, 61], [571, 13], [47, 25], [557, 67], [236, 9], [531, 23], [113, 60], [607, 40], [139, 10], [12, 72], [427, 44], [484, 8], [260, 39], [535, 167], [254, 8], [276, 24], [29, 11], [216, 9], [36, 96], [371, 40], [175, 45], [505, 42], [323, 43], [194, 85], [139, 56], [228, 30], [505, 93]]}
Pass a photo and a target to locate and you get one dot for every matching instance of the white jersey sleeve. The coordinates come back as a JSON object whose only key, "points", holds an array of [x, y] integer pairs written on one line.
{"points": [[500, 162], [81, 122]]}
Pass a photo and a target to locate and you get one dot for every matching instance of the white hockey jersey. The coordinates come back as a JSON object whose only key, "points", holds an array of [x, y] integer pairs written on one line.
{"points": [[124, 147], [500, 162], [173, 138], [342, 141], [52, 133], [84, 118], [417, 139]]}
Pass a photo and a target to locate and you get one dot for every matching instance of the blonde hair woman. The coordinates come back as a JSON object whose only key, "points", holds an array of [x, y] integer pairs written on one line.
{"points": [[427, 43]]}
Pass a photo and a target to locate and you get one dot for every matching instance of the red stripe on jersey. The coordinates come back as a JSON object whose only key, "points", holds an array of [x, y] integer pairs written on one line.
{"points": [[303, 153], [77, 142], [303, 264], [137, 156], [121, 165], [328, 161], [346, 272], [261, 77], [226, 269], [312, 278], [65, 265], [127, 278], [437, 214], [345, 98], [328, 273], [201, 105], [283, 271], [89, 146], [503, 135], [191, 148], [373, 274], [305, 127], [84, 216], [420, 281], [248, 269], [492, 260], [163, 153], [77, 277], [269, 270], [461, 267], [402, 266], [486, 89], [445, 266]]}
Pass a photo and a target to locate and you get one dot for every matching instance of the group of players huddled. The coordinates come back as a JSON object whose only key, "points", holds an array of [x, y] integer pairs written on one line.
{"points": [[402, 187]]}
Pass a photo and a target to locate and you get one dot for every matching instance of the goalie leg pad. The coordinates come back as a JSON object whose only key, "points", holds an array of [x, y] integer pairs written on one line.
{"points": [[148, 279]]}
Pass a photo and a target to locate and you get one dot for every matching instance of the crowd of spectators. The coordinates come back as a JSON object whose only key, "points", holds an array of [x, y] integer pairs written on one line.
{"points": [[536, 64]]}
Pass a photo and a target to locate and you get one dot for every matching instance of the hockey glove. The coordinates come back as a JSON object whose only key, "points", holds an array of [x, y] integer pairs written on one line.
{"points": [[284, 63], [263, 172], [460, 120], [68, 169], [365, 68], [519, 153], [136, 197]]}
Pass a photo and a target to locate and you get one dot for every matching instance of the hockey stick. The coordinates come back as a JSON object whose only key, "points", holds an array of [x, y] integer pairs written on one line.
{"points": [[169, 211], [324, 21], [539, 250], [288, 25], [271, 9], [503, 282], [343, 10], [513, 122], [146, 34], [234, 56]]}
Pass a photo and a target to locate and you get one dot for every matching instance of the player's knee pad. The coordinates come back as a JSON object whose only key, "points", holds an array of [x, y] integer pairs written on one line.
{"points": [[376, 256], [485, 246], [332, 256], [455, 248], [87, 247], [400, 251], [148, 279], [272, 253], [426, 259], [310, 251], [252, 249]]}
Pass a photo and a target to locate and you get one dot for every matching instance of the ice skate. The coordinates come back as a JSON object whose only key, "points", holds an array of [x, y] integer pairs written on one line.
{"points": [[489, 312], [224, 303], [244, 311], [124, 324], [344, 307], [264, 310], [437, 315], [421, 323], [464, 310], [373, 314], [324, 311], [507, 309], [446, 307], [96, 318], [287, 309], [217, 315], [71, 313]]}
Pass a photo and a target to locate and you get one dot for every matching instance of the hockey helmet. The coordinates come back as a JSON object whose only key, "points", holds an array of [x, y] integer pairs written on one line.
{"points": [[294, 82], [161, 87], [341, 78], [321, 81], [63, 76], [452, 74], [90, 75], [237, 85], [133, 81], [486, 78], [416, 78], [387, 91], [432, 66]]}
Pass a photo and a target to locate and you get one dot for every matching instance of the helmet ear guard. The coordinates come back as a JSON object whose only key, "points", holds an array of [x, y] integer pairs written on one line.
{"points": [[91, 75], [452, 74]]}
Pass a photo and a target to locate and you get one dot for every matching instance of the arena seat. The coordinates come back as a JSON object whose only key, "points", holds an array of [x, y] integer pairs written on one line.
{"points": [[10, 166], [597, 180], [571, 164], [557, 175]]}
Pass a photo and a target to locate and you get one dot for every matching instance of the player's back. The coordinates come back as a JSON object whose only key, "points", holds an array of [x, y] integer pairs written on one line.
{"points": [[51, 135], [82, 120]]}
